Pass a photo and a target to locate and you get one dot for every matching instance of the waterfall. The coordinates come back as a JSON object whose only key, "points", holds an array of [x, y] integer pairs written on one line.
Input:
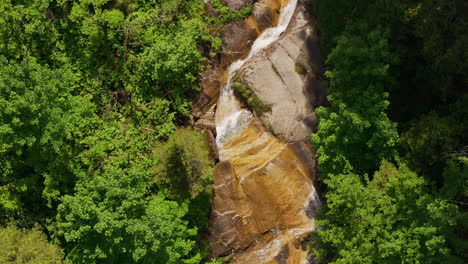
{"points": [[231, 119], [265, 197]]}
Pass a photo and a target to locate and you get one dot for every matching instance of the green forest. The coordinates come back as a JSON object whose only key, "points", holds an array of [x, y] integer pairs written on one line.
{"points": [[392, 144], [95, 163], [99, 165]]}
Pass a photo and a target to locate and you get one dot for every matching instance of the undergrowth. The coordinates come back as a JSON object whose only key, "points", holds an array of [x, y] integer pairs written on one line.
{"points": [[250, 98]]}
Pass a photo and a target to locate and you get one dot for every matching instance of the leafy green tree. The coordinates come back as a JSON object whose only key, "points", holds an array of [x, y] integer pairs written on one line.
{"points": [[148, 49], [354, 133], [113, 215], [425, 92], [427, 140], [390, 219], [183, 167], [25, 30], [456, 179], [41, 123], [455, 191], [87, 89], [183, 171], [169, 66], [18, 246], [425, 34], [110, 220], [116, 214], [226, 15]]}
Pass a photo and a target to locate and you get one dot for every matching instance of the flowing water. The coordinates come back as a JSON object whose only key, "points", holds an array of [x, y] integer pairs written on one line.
{"points": [[274, 192], [230, 118]]}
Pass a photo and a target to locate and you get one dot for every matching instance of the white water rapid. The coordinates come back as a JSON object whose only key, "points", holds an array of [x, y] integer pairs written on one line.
{"points": [[231, 119], [265, 197]]}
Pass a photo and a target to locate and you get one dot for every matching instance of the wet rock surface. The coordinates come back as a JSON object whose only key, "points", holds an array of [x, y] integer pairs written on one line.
{"points": [[265, 13], [237, 38], [265, 199], [263, 192], [286, 76], [235, 5]]}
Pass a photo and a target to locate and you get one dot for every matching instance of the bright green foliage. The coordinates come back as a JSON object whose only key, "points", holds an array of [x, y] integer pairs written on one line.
{"points": [[390, 219], [87, 90], [149, 49], [109, 220], [227, 15], [250, 98], [113, 215], [354, 134], [40, 121], [169, 66], [27, 247], [25, 30], [183, 167], [170, 60], [146, 48]]}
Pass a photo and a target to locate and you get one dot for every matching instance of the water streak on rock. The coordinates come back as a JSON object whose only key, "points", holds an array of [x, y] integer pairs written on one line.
{"points": [[230, 118], [264, 191]]}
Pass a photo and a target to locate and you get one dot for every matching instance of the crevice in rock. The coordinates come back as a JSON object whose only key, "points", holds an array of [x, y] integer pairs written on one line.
{"points": [[276, 70]]}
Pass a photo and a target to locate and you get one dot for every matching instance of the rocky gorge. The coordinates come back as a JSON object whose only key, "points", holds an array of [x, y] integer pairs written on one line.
{"points": [[265, 198]]}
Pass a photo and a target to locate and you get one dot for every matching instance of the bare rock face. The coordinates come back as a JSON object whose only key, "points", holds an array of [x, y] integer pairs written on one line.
{"points": [[263, 198], [265, 13], [286, 77], [237, 38], [235, 5], [227, 228]]}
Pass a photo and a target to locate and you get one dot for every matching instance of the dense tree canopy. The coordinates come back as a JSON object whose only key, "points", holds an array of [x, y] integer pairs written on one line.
{"points": [[31, 247], [391, 219], [355, 134], [110, 220], [183, 168], [393, 65], [40, 123], [424, 34], [90, 91]]}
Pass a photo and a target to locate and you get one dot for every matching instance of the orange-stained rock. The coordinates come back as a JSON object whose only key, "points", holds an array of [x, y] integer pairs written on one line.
{"points": [[264, 194], [265, 200], [237, 39]]}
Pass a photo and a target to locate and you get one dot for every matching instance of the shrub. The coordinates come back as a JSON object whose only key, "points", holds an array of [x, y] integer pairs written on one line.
{"points": [[27, 247], [183, 167], [249, 97], [301, 69], [227, 15]]}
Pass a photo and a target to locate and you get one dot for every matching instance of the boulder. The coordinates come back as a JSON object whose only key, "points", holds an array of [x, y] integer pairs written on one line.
{"points": [[265, 13], [235, 5], [237, 38], [287, 76], [263, 195]]}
